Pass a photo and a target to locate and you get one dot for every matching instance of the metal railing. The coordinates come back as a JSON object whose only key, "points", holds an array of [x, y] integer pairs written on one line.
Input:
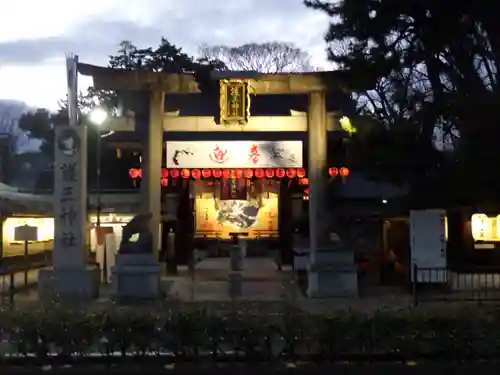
{"points": [[10, 285], [8, 291], [94, 191], [435, 284]]}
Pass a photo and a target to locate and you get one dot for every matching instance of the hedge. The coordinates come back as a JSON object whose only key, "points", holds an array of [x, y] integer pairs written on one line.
{"points": [[181, 336]]}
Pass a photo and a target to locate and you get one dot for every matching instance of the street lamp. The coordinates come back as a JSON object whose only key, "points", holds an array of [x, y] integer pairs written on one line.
{"points": [[98, 117]]}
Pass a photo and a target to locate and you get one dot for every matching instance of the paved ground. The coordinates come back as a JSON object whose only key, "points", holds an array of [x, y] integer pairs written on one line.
{"points": [[262, 281], [264, 288]]}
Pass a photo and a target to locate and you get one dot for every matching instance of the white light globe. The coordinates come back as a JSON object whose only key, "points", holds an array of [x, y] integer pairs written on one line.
{"points": [[97, 116]]}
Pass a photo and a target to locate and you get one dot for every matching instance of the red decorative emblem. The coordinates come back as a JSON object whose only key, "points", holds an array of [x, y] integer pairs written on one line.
{"points": [[254, 154], [218, 155]]}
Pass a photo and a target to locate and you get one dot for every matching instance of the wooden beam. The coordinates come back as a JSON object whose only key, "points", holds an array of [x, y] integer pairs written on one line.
{"points": [[170, 83], [294, 123], [287, 84], [139, 80]]}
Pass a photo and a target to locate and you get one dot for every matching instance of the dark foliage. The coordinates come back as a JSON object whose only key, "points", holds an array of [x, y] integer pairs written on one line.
{"points": [[435, 64], [176, 336]]}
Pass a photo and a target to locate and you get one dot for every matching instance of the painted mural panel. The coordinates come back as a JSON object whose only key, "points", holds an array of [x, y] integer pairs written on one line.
{"points": [[257, 215]]}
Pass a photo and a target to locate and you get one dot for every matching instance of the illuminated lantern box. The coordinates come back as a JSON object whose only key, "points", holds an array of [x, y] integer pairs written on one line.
{"points": [[485, 230]]}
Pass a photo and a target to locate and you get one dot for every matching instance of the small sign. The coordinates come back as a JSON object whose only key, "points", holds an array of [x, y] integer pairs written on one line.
{"points": [[233, 189], [234, 102], [25, 233]]}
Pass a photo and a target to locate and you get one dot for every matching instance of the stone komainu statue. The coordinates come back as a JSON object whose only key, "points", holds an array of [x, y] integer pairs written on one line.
{"points": [[138, 225]]}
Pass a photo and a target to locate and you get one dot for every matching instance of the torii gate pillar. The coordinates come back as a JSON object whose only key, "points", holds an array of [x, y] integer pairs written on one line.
{"points": [[332, 271]]}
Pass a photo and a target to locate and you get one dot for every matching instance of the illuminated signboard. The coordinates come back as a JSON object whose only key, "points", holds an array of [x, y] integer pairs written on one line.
{"points": [[234, 154], [485, 228], [234, 102]]}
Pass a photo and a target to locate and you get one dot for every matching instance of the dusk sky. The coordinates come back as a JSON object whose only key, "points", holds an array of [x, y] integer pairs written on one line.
{"points": [[35, 35]]}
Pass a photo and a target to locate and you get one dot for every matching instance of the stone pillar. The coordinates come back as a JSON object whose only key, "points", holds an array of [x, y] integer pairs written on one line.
{"points": [[331, 269], [152, 156], [71, 277], [317, 139]]}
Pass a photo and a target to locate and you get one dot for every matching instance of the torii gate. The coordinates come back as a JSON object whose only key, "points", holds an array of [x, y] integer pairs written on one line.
{"points": [[317, 124]]}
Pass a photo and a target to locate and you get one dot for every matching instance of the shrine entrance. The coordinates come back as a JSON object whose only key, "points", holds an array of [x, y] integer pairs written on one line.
{"points": [[223, 162], [250, 199]]}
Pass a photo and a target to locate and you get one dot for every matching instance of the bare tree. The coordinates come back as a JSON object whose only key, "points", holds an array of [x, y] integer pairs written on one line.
{"points": [[271, 57]]}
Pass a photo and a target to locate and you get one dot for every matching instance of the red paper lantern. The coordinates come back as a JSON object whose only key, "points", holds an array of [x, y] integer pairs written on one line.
{"points": [[248, 173], [185, 173], [174, 173], [164, 182], [226, 173], [206, 173], [238, 172], [301, 172], [196, 173], [216, 173], [304, 181], [133, 173], [259, 173], [280, 173], [291, 172], [333, 172], [164, 173], [269, 173], [344, 172]]}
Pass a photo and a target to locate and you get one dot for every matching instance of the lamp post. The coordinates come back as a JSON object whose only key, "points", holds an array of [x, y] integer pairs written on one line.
{"points": [[97, 117]]}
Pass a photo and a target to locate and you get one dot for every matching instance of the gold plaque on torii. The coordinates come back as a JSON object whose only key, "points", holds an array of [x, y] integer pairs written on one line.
{"points": [[234, 102]]}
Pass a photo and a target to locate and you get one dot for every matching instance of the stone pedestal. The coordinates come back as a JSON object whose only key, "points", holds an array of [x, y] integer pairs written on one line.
{"points": [[244, 246], [332, 273], [236, 257], [69, 284], [136, 277]]}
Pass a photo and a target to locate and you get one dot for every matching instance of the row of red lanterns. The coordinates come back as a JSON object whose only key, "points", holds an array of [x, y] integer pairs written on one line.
{"points": [[334, 172], [225, 173], [166, 182], [197, 174]]}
